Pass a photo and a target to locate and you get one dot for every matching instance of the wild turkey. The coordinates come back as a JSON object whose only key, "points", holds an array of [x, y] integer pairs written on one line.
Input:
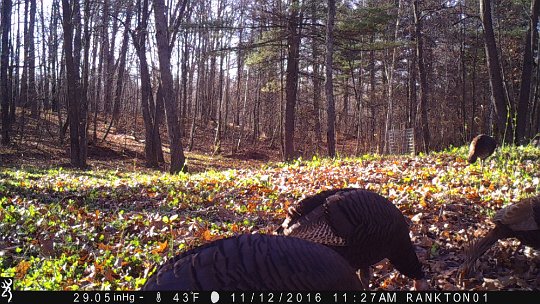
{"points": [[256, 262], [362, 226], [482, 146], [520, 220]]}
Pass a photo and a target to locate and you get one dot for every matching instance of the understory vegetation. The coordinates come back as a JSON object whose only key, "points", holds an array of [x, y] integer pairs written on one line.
{"points": [[66, 229]]}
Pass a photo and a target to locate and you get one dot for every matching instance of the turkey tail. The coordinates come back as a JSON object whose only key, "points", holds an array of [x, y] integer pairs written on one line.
{"points": [[478, 248]]}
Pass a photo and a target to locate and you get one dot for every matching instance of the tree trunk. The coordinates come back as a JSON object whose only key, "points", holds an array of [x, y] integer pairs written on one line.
{"points": [[357, 89], [526, 74], [120, 75], [70, 11], [24, 97], [473, 86], [535, 113], [372, 95], [85, 64], [291, 83], [23, 93], [500, 104], [463, 68], [14, 74], [219, 105], [108, 53], [93, 99], [53, 49], [316, 77], [184, 80], [4, 62], [256, 110], [195, 103], [44, 63], [164, 55], [32, 98], [152, 146], [244, 110], [329, 85], [411, 92], [391, 68], [421, 118]]}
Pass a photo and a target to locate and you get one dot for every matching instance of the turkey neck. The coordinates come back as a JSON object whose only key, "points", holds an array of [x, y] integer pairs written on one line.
{"points": [[405, 260]]}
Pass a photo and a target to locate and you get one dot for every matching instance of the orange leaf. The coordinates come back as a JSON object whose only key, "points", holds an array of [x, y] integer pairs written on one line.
{"points": [[98, 268], [472, 196], [286, 205], [104, 247], [207, 235], [161, 248], [445, 234], [423, 202], [84, 257], [22, 269], [251, 206]]}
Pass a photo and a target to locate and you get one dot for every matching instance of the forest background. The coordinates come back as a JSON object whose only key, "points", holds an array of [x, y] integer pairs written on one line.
{"points": [[99, 98], [292, 76]]}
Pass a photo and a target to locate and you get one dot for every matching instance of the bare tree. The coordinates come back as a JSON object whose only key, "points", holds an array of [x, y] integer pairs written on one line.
{"points": [[120, 75], [329, 85], [44, 63], [31, 61], [503, 122], [4, 62], [219, 103], [110, 13], [390, 70], [81, 44], [53, 50], [152, 144], [531, 38], [71, 21], [291, 83], [316, 75], [165, 37], [241, 69], [422, 119]]}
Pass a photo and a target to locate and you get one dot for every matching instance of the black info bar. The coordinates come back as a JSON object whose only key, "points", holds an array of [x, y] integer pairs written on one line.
{"points": [[228, 297]]}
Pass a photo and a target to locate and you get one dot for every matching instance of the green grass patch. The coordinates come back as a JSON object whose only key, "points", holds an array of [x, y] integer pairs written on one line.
{"points": [[66, 229]]}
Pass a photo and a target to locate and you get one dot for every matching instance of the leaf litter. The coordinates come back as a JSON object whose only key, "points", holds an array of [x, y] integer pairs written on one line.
{"points": [[98, 230]]}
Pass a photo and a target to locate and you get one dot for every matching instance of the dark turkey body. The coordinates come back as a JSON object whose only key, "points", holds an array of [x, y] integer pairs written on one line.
{"points": [[520, 220], [482, 146], [256, 262], [522, 223], [529, 238], [360, 225]]}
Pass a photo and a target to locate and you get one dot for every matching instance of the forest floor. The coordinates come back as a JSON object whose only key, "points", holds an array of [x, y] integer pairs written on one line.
{"points": [[108, 227], [40, 146]]}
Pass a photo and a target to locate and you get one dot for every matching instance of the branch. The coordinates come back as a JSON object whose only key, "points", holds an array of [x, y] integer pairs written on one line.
{"points": [[467, 17], [181, 9]]}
